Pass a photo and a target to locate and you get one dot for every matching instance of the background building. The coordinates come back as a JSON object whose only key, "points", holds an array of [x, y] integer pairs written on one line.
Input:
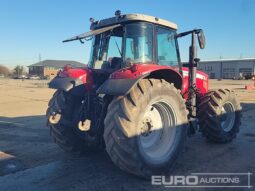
{"points": [[228, 68], [49, 68]]}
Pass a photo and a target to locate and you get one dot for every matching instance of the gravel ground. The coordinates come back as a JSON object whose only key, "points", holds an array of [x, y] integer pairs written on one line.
{"points": [[30, 160]]}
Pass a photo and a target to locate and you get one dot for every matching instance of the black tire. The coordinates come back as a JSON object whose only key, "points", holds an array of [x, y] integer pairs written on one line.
{"points": [[123, 136], [64, 133], [217, 124]]}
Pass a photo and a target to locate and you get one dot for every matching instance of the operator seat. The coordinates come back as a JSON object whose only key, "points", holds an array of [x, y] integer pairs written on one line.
{"points": [[116, 63]]}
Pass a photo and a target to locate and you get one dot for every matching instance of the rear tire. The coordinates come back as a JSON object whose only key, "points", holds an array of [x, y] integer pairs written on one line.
{"points": [[219, 114], [65, 133], [145, 130]]}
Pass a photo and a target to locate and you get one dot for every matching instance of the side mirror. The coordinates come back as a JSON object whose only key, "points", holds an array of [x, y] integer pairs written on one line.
{"points": [[201, 39]]}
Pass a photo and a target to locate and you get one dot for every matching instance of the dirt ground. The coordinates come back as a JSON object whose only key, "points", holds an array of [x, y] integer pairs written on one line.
{"points": [[30, 160]]}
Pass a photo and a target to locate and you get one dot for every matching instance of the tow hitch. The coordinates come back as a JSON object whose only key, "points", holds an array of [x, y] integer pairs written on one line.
{"points": [[54, 118]]}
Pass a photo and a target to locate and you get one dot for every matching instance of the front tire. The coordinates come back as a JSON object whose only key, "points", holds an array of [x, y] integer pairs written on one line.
{"points": [[145, 130], [219, 114]]}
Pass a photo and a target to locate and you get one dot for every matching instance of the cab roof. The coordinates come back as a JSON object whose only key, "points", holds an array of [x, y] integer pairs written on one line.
{"points": [[104, 25], [131, 17]]}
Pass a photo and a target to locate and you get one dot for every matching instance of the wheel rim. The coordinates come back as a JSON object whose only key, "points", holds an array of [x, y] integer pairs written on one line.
{"points": [[227, 117], [157, 132]]}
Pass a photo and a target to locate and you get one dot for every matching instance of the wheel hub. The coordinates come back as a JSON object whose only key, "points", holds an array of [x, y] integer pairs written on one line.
{"points": [[147, 127], [157, 131], [227, 117]]}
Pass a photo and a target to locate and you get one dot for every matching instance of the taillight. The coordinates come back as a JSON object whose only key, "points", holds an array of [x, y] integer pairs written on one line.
{"points": [[63, 74], [67, 67]]}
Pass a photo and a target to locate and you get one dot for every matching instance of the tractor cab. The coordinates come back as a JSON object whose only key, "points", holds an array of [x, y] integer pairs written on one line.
{"points": [[125, 40]]}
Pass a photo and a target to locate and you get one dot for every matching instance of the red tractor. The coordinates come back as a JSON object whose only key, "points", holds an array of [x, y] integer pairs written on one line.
{"points": [[136, 99]]}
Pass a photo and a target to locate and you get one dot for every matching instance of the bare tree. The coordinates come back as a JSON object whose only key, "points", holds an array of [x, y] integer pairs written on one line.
{"points": [[18, 70]]}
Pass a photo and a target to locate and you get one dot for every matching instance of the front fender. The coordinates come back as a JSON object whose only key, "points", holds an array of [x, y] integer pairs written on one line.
{"points": [[76, 80], [65, 83]]}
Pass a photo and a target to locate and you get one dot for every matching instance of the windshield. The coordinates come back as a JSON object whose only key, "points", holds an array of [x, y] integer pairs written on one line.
{"points": [[138, 43], [108, 51]]}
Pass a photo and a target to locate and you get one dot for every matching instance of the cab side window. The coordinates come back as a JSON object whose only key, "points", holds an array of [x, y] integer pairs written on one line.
{"points": [[114, 47], [167, 53]]}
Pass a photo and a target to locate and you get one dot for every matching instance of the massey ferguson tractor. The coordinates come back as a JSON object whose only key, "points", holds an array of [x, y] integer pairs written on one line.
{"points": [[136, 99]]}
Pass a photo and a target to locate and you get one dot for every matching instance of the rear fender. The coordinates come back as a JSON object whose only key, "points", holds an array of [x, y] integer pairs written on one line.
{"points": [[122, 81], [76, 80]]}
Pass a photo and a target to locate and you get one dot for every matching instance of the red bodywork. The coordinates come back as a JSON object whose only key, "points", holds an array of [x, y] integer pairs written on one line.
{"points": [[201, 82], [136, 71]]}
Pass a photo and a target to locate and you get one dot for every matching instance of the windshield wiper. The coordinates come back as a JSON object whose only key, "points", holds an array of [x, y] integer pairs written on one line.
{"points": [[91, 33], [118, 47]]}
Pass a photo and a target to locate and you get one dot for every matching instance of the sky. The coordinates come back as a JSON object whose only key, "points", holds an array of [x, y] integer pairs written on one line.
{"points": [[31, 28]]}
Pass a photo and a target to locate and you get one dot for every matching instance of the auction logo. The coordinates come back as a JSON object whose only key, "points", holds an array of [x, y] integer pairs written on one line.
{"points": [[206, 180]]}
